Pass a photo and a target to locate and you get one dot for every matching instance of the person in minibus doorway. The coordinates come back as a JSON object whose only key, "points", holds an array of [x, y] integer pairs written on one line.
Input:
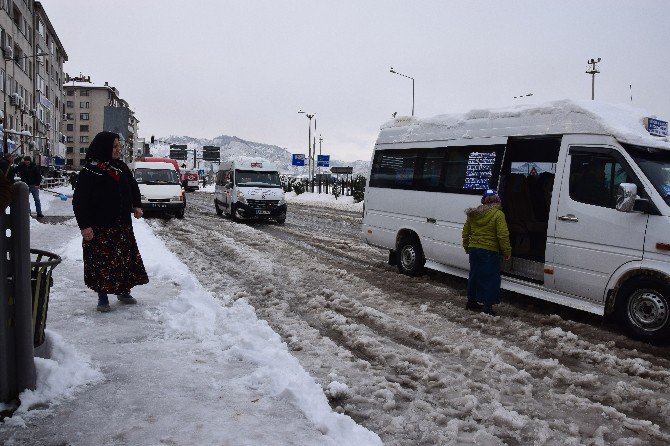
{"points": [[105, 198], [485, 237]]}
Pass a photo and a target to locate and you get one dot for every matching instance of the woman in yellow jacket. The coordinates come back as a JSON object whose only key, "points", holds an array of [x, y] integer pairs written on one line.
{"points": [[485, 237]]}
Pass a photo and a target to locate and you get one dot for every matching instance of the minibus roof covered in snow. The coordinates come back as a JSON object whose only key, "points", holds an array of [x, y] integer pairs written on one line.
{"points": [[624, 123]]}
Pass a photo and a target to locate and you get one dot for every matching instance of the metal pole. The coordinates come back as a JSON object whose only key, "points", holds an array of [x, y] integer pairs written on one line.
{"points": [[4, 110], [309, 150], [412, 96]]}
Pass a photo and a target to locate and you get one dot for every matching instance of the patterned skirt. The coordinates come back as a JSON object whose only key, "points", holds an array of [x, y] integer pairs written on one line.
{"points": [[112, 262]]}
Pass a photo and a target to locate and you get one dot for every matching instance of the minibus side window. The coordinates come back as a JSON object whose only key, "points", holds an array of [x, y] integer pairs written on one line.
{"points": [[595, 178]]}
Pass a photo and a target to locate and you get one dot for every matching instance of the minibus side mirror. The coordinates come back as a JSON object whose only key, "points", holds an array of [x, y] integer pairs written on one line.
{"points": [[625, 197]]}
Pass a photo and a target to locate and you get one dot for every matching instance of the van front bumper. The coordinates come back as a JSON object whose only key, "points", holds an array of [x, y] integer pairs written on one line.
{"points": [[265, 212], [163, 206]]}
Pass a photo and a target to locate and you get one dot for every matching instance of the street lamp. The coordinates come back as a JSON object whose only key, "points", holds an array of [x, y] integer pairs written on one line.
{"points": [[408, 77], [310, 161]]}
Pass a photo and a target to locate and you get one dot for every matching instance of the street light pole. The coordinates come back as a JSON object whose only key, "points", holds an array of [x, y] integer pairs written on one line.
{"points": [[310, 161], [593, 71], [408, 77]]}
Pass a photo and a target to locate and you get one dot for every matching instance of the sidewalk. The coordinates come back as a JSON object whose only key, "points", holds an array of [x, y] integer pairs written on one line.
{"points": [[182, 367]]}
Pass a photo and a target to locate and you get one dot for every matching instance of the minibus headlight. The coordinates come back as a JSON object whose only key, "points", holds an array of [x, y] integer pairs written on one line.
{"points": [[240, 198], [282, 201], [176, 198]]}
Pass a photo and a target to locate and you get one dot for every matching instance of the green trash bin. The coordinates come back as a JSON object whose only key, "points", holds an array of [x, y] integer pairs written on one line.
{"points": [[41, 266]]}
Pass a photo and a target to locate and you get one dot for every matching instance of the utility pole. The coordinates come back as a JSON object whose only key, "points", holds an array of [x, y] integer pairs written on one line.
{"points": [[593, 71]]}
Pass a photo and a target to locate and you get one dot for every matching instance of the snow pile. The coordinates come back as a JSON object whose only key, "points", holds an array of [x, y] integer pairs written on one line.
{"points": [[183, 366], [624, 122], [345, 203]]}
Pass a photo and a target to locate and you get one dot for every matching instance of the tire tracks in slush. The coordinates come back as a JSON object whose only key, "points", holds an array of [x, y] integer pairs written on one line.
{"points": [[420, 369]]}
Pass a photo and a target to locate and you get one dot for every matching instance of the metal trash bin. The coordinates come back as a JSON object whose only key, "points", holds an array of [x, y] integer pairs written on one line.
{"points": [[41, 265]]}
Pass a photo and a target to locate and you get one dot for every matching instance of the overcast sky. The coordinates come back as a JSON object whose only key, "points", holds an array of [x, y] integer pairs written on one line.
{"points": [[204, 68]]}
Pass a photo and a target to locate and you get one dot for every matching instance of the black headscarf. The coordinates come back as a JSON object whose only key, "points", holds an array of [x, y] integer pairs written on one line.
{"points": [[101, 147]]}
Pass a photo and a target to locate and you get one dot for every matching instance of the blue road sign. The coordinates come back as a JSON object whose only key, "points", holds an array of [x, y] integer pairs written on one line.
{"points": [[298, 159], [323, 161], [201, 172], [657, 127]]}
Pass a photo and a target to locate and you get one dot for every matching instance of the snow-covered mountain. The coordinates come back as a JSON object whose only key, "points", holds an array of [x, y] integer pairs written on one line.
{"points": [[233, 147]]}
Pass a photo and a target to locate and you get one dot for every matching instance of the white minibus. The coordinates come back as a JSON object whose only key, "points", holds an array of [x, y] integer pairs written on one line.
{"points": [[249, 188], [585, 188]]}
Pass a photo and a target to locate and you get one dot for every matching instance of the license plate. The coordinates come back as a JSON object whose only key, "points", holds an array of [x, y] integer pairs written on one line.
{"points": [[263, 212], [158, 205]]}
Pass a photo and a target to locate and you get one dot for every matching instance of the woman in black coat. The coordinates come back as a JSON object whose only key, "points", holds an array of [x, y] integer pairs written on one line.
{"points": [[104, 199]]}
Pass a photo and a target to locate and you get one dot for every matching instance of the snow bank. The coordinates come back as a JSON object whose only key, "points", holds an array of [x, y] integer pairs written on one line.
{"points": [[345, 203]]}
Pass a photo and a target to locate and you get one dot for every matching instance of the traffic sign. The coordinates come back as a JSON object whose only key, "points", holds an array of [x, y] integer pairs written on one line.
{"points": [[211, 153], [298, 159], [323, 161], [201, 172], [656, 127], [178, 151]]}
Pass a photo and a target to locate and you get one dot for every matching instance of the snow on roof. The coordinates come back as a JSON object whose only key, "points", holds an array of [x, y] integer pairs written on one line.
{"points": [[623, 122]]}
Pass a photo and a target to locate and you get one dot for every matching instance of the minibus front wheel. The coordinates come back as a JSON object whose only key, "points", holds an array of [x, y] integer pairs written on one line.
{"points": [[410, 256], [644, 309]]}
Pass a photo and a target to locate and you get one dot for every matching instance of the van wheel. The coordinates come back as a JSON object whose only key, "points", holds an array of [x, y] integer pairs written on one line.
{"points": [[179, 214], [644, 309], [410, 257], [233, 210], [281, 220], [219, 211]]}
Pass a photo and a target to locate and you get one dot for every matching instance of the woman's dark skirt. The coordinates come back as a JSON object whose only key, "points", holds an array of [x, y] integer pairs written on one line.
{"points": [[484, 277], [112, 262]]}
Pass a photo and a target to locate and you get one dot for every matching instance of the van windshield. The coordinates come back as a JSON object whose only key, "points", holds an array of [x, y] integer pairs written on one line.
{"points": [[253, 178], [156, 176], [655, 163]]}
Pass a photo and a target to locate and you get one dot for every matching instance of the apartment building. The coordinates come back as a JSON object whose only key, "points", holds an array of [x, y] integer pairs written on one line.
{"points": [[31, 78], [92, 108]]}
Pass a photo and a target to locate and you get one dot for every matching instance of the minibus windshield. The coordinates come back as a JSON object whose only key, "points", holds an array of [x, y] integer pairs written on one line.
{"points": [[655, 163], [253, 178], [156, 176]]}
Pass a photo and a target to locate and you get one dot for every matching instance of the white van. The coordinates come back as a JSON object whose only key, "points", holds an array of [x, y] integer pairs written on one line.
{"points": [[585, 188], [249, 189], [160, 188]]}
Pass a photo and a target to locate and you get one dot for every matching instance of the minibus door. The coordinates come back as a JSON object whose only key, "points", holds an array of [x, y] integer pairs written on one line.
{"points": [[592, 238]]}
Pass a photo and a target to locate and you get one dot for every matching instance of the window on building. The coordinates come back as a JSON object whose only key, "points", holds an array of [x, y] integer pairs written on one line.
{"points": [[69, 104], [82, 150], [83, 138], [83, 128], [82, 162], [70, 127], [84, 93], [40, 27], [69, 150], [69, 116], [69, 139], [70, 92], [83, 105], [83, 116], [68, 162]]}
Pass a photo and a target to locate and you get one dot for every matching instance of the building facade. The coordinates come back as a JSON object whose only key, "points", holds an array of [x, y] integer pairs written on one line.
{"points": [[90, 109], [31, 81]]}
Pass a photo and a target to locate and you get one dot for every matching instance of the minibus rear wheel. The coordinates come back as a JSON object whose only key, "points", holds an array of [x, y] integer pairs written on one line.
{"points": [[644, 309], [219, 211], [410, 257]]}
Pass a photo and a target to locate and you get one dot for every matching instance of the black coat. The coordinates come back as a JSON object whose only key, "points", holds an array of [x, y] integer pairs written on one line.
{"points": [[29, 174], [101, 201]]}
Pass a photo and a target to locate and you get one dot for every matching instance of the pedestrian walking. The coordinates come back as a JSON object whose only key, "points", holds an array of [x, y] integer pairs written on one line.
{"points": [[73, 180], [105, 198], [485, 237], [31, 175]]}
